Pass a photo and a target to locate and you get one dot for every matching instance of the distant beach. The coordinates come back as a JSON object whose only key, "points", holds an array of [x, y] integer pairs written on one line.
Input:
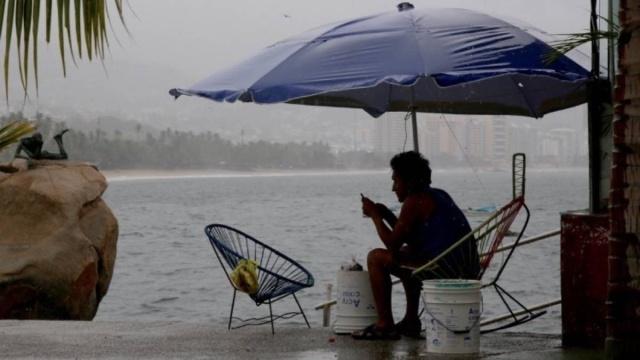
{"points": [[142, 174], [155, 174]]}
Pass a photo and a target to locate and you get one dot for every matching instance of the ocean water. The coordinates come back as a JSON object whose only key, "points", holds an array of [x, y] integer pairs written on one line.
{"points": [[166, 270]]}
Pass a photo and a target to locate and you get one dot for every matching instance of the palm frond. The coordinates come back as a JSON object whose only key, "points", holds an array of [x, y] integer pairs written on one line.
{"points": [[75, 20], [574, 40], [8, 33], [36, 22], [13, 131], [61, 35]]}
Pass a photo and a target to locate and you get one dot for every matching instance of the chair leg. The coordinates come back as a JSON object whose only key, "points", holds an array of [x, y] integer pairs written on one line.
{"points": [[530, 315], [233, 302], [518, 318], [273, 332], [301, 311], [504, 301]]}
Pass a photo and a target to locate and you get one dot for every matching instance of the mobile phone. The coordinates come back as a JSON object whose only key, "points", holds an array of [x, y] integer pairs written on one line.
{"points": [[362, 197]]}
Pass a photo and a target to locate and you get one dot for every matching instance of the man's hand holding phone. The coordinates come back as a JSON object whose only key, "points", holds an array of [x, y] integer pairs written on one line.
{"points": [[368, 206]]}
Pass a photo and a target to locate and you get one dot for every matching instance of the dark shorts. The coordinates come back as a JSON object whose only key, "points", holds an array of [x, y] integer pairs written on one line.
{"points": [[460, 263], [405, 261]]}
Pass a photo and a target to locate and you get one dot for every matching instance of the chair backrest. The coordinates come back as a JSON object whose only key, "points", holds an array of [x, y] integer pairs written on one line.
{"points": [[278, 275], [489, 234], [487, 238], [518, 174]]}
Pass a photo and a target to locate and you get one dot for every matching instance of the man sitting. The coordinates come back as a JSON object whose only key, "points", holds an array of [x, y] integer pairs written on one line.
{"points": [[429, 222]]}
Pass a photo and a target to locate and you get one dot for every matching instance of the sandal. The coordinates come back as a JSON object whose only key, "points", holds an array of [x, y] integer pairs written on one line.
{"points": [[412, 330], [372, 332]]}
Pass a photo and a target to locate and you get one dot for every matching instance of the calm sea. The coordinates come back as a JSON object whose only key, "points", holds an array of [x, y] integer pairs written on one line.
{"points": [[166, 269]]}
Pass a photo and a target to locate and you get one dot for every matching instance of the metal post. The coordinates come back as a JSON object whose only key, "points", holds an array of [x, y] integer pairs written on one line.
{"points": [[595, 151], [414, 125], [326, 311], [599, 118], [594, 116], [414, 122]]}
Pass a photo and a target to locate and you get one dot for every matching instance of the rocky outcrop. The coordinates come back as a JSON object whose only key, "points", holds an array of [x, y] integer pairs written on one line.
{"points": [[57, 241]]}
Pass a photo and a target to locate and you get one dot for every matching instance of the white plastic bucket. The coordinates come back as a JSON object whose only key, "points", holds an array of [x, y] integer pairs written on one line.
{"points": [[452, 309], [355, 308]]}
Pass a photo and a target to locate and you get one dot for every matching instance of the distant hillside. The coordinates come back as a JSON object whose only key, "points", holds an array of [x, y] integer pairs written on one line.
{"points": [[131, 146]]}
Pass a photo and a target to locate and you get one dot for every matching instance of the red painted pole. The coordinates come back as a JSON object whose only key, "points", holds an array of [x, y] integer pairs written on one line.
{"points": [[623, 288]]}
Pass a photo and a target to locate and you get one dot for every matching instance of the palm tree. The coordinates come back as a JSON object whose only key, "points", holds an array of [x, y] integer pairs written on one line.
{"points": [[575, 40], [13, 131], [78, 21]]}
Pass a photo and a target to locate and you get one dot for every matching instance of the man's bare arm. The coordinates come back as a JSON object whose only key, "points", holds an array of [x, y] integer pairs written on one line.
{"points": [[394, 237], [387, 215]]}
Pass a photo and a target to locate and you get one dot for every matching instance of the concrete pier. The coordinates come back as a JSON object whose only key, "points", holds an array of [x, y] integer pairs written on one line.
{"points": [[164, 340]]}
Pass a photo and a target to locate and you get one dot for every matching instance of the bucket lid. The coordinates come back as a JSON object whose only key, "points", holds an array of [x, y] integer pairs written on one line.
{"points": [[452, 284]]}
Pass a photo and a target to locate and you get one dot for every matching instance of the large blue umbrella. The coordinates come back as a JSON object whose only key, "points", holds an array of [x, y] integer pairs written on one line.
{"points": [[429, 60]]}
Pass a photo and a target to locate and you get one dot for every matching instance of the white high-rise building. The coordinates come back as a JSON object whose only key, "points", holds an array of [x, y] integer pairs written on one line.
{"points": [[499, 139], [567, 140]]}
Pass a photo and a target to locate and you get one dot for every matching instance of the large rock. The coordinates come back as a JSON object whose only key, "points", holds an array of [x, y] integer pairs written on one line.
{"points": [[57, 242]]}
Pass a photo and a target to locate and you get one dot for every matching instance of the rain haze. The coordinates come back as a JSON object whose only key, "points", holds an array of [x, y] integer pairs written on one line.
{"points": [[176, 43], [291, 175]]}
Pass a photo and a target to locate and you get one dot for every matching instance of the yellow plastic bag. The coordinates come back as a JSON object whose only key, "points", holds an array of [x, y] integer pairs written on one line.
{"points": [[245, 276]]}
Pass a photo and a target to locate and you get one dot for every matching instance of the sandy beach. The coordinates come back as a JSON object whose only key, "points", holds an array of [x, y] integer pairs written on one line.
{"points": [[148, 174]]}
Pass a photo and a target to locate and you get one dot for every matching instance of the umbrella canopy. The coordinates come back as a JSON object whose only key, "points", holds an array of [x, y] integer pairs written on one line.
{"points": [[429, 60], [432, 60]]}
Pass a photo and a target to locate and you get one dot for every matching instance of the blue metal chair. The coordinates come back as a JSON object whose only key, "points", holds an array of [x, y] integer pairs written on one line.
{"points": [[278, 275]]}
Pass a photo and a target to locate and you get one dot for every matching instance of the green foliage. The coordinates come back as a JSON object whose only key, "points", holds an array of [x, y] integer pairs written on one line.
{"points": [[11, 132], [83, 19], [172, 149], [574, 40]]}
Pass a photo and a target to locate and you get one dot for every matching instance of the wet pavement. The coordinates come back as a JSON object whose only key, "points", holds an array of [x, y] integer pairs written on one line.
{"points": [[164, 340]]}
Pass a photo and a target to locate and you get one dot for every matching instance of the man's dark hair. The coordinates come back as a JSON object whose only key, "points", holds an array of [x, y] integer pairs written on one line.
{"points": [[413, 168]]}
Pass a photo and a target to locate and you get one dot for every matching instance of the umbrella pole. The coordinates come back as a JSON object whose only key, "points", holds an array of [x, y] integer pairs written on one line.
{"points": [[414, 125], [414, 122]]}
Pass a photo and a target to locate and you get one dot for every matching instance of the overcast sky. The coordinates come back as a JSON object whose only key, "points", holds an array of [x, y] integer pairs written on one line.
{"points": [[201, 36], [204, 35], [174, 43]]}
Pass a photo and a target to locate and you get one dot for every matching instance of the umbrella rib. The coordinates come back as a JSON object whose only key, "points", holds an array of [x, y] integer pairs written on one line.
{"points": [[519, 87], [415, 37]]}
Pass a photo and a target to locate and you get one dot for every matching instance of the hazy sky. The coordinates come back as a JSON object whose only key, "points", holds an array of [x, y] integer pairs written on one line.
{"points": [[201, 36], [174, 43]]}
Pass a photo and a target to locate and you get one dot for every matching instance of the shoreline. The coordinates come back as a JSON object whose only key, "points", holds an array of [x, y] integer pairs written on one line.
{"points": [[150, 174], [117, 175]]}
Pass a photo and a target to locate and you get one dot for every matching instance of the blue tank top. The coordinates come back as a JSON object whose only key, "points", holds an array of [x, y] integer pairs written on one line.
{"points": [[446, 225]]}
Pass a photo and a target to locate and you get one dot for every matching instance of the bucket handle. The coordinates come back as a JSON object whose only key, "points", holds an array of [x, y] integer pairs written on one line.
{"points": [[457, 332]]}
